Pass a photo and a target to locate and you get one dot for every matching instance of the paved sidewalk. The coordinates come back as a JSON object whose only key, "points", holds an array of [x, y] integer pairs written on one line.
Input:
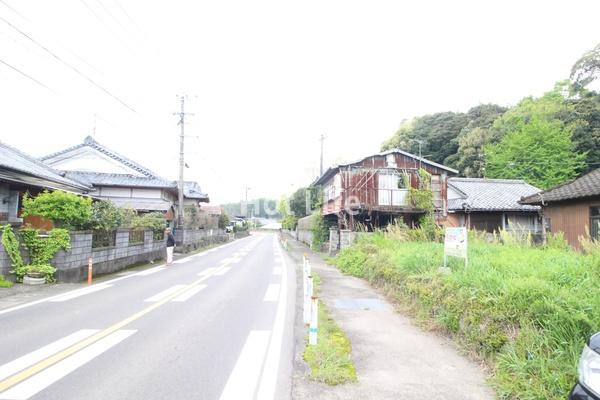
{"points": [[393, 358]]}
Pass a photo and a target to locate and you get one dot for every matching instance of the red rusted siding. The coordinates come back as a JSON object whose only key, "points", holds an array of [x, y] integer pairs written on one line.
{"points": [[360, 181]]}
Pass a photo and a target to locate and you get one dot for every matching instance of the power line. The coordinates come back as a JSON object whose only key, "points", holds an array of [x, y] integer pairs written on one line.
{"points": [[74, 69], [27, 76], [13, 10], [108, 28]]}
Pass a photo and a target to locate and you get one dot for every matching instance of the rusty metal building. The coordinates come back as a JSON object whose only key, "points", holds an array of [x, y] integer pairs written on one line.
{"points": [[373, 191]]}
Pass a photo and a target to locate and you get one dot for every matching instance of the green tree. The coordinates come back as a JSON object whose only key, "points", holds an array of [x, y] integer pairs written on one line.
{"points": [[437, 134], [223, 219], [470, 158], [65, 210], [298, 203], [288, 220], [584, 117], [587, 68], [540, 151]]}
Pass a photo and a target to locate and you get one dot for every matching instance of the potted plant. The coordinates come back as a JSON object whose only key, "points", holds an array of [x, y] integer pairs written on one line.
{"points": [[38, 274]]}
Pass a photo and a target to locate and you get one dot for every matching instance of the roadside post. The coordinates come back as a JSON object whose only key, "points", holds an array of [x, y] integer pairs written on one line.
{"points": [[314, 322], [455, 245], [307, 294], [90, 263]]}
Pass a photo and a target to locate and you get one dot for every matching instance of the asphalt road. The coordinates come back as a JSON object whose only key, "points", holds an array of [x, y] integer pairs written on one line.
{"points": [[215, 325]]}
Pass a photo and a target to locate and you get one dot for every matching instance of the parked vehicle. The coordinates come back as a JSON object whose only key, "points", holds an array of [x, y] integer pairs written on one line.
{"points": [[588, 386]]}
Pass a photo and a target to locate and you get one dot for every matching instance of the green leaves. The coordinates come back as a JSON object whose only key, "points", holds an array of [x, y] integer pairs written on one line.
{"points": [[11, 246], [65, 210], [105, 215], [539, 151]]}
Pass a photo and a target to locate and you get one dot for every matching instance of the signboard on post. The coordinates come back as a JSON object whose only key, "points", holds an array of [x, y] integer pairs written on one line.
{"points": [[455, 244]]}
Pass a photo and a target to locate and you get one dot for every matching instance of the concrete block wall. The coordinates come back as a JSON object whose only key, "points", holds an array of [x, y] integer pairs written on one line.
{"points": [[305, 236], [334, 240], [72, 265], [189, 239]]}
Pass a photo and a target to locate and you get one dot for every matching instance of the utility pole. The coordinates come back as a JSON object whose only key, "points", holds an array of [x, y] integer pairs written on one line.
{"points": [[182, 114], [420, 157], [247, 188], [321, 167]]}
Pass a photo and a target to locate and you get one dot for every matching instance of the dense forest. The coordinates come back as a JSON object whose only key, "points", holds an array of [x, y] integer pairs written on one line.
{"points": [[545, 140]]}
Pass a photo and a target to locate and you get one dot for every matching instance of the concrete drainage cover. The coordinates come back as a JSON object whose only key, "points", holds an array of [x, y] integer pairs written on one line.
{"points": [[359, 304]]}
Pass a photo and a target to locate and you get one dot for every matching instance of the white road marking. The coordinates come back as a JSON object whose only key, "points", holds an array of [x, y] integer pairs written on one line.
{"points": [[235, 260], [243, 380], [47, 377], [207, 271], [268, 382], [272, 292], [181, 260], [40, 354], [164, 293], [187, 295], [277, 271], [80, 292], [222, 271], [150, 271], [142, 273]]}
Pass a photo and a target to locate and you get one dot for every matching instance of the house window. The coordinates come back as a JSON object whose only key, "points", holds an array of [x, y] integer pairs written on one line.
{"points": [[595, 222]]}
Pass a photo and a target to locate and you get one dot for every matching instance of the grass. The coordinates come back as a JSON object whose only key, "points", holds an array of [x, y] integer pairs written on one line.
{"points": [[4, 283], [329, 360], [526, 312]]}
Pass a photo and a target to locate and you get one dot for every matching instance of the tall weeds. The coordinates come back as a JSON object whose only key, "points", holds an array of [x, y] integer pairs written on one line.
{"points": [[526, 311]]}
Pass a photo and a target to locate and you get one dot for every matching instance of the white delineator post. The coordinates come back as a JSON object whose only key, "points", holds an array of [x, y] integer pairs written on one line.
{"points": [[314, 322], [306, 304]]}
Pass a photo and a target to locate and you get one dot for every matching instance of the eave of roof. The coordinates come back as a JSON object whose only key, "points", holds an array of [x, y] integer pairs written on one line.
{"points": [[586, 186], [24, 164]]}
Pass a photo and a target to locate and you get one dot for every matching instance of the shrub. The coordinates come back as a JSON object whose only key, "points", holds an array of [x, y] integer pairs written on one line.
{"points": [[128, 215], [65, 210], [319, 230], [155, 221], [105, 216]]}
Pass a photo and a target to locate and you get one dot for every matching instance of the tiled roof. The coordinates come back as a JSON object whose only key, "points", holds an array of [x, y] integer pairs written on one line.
{"points": [[490, 194], [16, 160], [192, 190], [90, 142], [101, 179], [332, 170], [585, 186]]}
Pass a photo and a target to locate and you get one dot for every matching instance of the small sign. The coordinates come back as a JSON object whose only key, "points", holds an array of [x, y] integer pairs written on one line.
{"points": [[455, 243]]}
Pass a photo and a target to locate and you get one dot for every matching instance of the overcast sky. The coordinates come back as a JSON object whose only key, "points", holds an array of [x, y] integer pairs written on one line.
{"points": [[266, 78]]}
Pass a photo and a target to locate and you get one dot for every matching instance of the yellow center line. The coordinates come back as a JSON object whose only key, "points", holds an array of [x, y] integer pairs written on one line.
{"points": [[34, 369]]}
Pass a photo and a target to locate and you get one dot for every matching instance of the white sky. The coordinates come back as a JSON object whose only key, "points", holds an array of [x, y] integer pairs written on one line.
{"points": [[266, 78]]}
